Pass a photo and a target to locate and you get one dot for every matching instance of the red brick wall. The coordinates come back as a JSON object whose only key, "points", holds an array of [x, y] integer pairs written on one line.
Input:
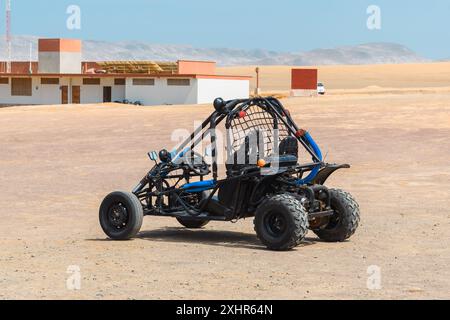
{"points": [[19, 67]]}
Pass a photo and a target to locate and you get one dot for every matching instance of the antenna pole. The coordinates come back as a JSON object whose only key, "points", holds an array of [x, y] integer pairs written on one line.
{"points": [[31, 58], [8, 36]]}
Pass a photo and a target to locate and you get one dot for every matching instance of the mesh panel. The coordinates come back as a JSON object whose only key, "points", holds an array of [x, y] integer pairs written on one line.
{"points": [[258, 128]]}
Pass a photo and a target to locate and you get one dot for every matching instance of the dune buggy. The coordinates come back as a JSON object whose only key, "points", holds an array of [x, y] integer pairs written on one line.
{"points": [[262, 176]]}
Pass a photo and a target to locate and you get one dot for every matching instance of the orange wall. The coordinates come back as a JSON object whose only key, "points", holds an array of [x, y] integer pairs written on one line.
{"points": [[59, 45], [304, 79], [196, 67]]}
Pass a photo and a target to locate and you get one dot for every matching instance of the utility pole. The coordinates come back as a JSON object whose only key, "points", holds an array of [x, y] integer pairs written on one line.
{"points": [[8, 36], [258, 89]]}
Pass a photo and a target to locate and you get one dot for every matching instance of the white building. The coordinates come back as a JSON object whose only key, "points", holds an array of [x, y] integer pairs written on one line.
{"points": [[60, 77]]}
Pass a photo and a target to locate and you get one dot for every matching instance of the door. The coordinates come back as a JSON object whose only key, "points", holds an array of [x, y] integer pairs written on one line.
{"points": [[76, 96], [64, 94], [107, 94]]}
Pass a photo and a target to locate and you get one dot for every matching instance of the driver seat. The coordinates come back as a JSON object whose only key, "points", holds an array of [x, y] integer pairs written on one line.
{"points": [[248, 154]]}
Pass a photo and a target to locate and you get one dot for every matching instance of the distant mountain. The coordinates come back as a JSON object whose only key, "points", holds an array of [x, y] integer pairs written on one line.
{"points": [[370, 53]]}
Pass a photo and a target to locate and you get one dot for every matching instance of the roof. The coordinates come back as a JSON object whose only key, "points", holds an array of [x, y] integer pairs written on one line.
{"points": [[127, 69], [123, 75], [147, 67]]}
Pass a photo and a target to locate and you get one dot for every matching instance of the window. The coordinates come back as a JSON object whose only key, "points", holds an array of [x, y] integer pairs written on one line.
{"points": [[143, 82], [119, 82], [178, 82], [49, 81], [4, 80], [91, 81], [21, 87]]}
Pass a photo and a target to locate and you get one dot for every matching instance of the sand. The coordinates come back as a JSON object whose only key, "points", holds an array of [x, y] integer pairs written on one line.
{"points": [[57, 163], [400, 76]]}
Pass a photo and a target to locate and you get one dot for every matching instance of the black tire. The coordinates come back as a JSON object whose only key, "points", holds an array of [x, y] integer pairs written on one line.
{"points": [[192, 224], [346, 220], [121, 215], [281, 222]]}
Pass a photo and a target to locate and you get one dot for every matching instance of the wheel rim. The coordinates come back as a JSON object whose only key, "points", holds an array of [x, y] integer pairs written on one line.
{"points": [[118, 216], [275, 224]]}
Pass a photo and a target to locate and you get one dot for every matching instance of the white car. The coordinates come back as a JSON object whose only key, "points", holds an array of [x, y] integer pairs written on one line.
{"points": [[320, 89]]}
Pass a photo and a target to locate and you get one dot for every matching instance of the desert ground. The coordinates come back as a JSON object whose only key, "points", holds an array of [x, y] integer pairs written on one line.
{"points": [[58, 162], [357, 78]]}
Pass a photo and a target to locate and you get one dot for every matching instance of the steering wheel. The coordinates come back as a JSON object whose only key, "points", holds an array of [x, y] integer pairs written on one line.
{"points": [[191, 160]]}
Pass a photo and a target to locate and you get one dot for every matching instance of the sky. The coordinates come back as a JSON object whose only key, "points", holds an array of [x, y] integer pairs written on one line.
{"points": [[281, 25]]}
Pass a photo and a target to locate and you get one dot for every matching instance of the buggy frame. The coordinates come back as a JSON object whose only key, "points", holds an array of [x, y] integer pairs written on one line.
{"points": [[226, 111], [273, 178]]}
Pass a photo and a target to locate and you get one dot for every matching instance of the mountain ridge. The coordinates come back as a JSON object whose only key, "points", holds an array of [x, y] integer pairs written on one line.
{"points": [[93, 50]]}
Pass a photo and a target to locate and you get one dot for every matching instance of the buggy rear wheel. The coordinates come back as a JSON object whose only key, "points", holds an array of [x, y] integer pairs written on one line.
{"points": [[192, 224], [121, 215], [343, 224], [281, 222]]}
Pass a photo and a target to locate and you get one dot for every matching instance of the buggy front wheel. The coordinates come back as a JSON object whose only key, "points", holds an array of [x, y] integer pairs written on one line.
{"points": [[121, 215], [343, 224], [281, 222]]}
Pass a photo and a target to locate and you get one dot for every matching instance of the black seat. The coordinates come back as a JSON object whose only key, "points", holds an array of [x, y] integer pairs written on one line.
{"points": [[247, 155], [289, 146], [288, 154], [283, 161]]}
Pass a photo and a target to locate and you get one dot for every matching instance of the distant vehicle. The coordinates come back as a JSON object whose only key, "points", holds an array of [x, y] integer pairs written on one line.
{"points": [[320, 89], [126, 101]]}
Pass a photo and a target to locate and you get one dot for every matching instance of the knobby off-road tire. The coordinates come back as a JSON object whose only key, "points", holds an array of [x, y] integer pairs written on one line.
{"points": [[121, 215], [346, 220], [192, 224], [281, 222]]}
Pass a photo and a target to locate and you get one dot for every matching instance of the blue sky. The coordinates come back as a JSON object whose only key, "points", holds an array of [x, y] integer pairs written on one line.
{"points": [[282, 25]]}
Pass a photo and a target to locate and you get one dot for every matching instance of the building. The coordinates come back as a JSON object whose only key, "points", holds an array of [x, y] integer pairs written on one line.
{"points": [[304, 82], [61, 77]]}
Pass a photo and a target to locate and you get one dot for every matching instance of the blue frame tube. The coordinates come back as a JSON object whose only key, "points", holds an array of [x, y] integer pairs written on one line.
{"points": [[199, 186], [316, 169]]}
